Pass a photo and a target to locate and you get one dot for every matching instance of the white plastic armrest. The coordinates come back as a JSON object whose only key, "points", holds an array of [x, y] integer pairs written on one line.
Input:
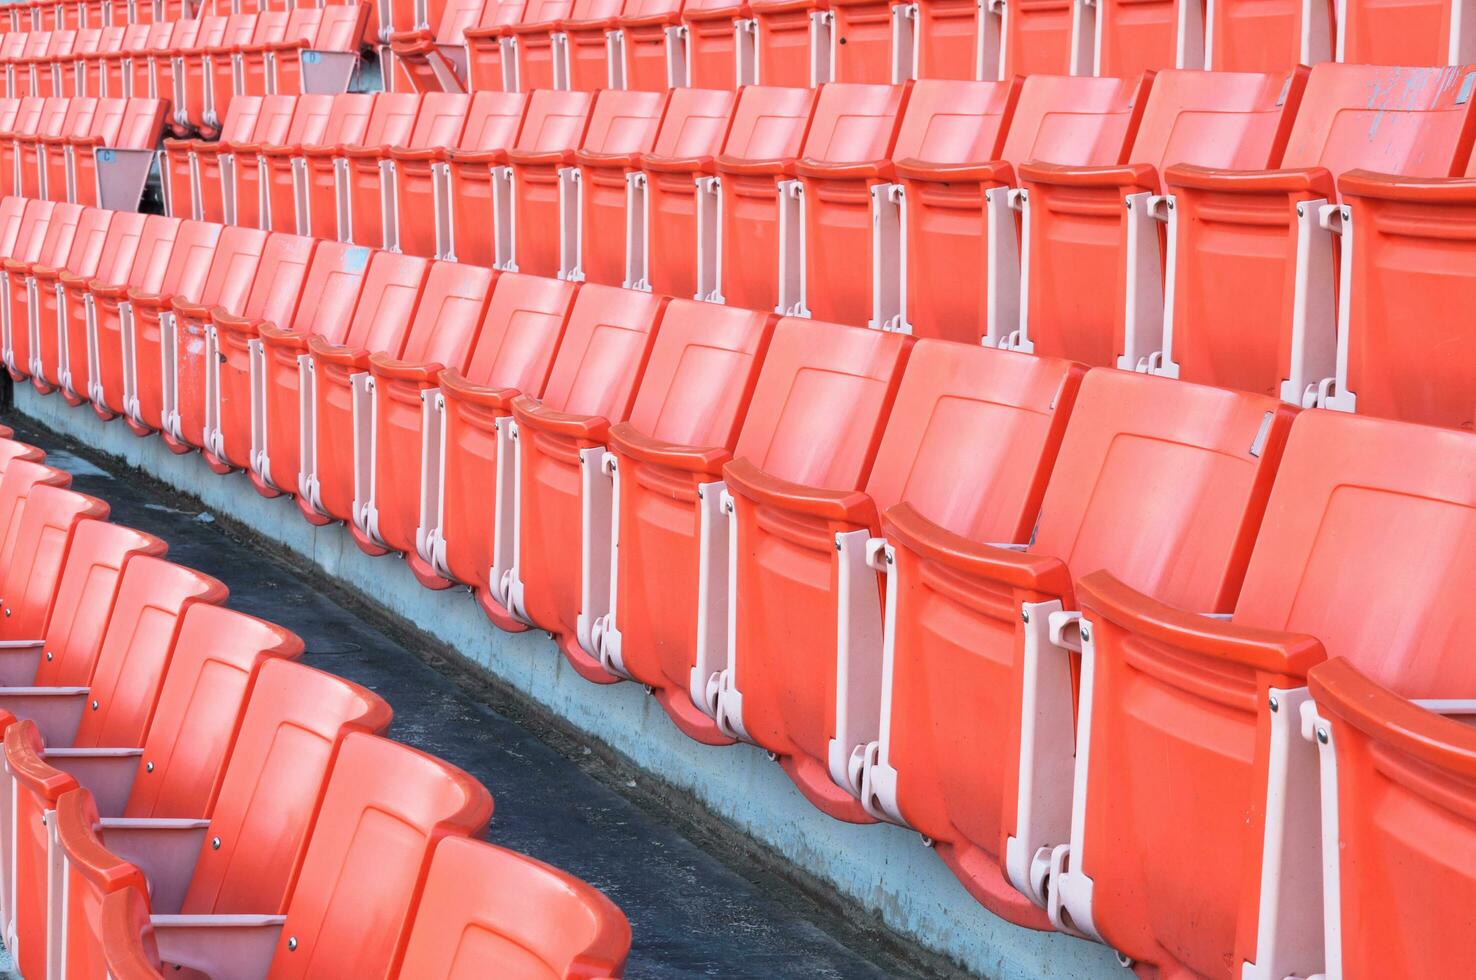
{"points": [[57, 711], [889, 256], [859, 640], [19, 660], [223, 947], [1047, 746], [365, 407], [108, 773], [432, 473], [1144, 295], [637, 234], [709, 239], [1314, 323], [571, 224], [1290, 930], [165, 850], [504, 218], [791, 299], [712, 594], [1003, 311], [596, 519]]}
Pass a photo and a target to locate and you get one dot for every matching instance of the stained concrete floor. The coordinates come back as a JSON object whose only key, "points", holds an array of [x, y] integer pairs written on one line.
{"points": [[702, 907]]}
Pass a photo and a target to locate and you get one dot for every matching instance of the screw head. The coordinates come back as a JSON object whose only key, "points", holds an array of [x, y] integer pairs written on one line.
{"points": [[891, 558], [50, 655], [1274, 702], [291, 944], [1322, 735], [1170, 204], [94, 705], [1086, 634], [148, 767], [215, 843], [1301, 211], [1025, 615]]}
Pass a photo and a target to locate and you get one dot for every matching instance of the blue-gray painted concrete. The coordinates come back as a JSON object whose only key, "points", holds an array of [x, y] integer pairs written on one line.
{"points": [[885, 869]]}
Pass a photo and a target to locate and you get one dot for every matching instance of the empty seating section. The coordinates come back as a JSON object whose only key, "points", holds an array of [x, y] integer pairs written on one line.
{"points": [[1045, 427]]}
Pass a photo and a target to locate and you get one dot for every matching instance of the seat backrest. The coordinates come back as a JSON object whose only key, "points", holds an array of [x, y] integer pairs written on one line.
{"points": [[240, 118], [348, 120], [623, 121], [238, 31], [1230, 120], [1351, 488], [555, 120], [547, 11], [160, 33], [12, 449], [274, 120], [9, 109], [972, 437], [153, 597], [386, 808], [32, 231], [53, 115], [501, 13], [21, 478], [30, 578], [700, 376], [595, 9], [391, 121], [36, 44], [215, 664], [449, 314], [12, 211], [142, 124], [493, 120], [280, 275], [456, 17], [485, 904], [695, 124], [769, 123], [1075, 120], [822, 385], [603, 352], [28, 115], [521, 332], [292, 729], [854, 122], [1192, 462], [186, 33], [271, 25], [387, 303], [303, 24], [956, 121], [88, 242], [107, 120], [440, 120], [334, 280], [341, 27], [151, 256], [60, 233], [190, 260], [233, 268], [310, 120], [84, 599], [135, 39], [78, 120], [1414, 122], [120, 248], [88, 39]]}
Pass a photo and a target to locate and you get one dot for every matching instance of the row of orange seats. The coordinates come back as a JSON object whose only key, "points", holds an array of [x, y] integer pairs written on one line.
{"points": [[1250, 231], [196, 65], [180, 794], [456, 45], [1068, 624]]}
